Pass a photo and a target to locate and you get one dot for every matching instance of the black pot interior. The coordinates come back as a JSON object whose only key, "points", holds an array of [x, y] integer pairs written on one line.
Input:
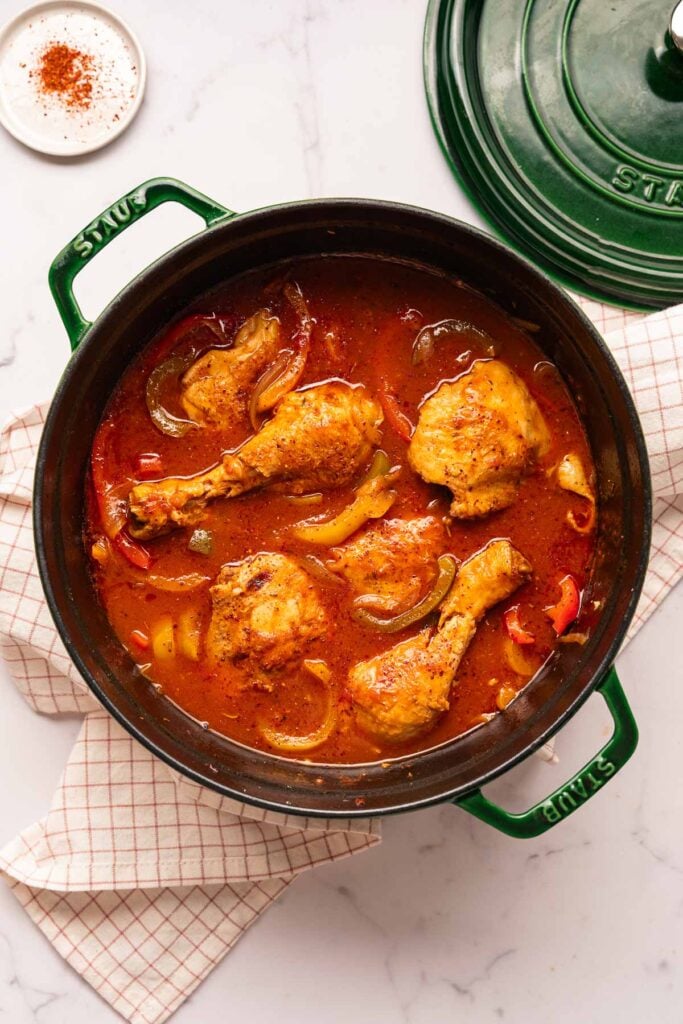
{"points": [[159, 295]]}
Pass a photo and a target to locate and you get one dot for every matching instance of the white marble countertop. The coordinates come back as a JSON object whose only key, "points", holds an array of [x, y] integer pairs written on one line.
{"points": [[260, 103]]}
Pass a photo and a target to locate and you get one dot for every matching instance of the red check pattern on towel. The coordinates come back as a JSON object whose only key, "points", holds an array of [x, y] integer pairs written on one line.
{"points": [[142, 880], [649, 351]]}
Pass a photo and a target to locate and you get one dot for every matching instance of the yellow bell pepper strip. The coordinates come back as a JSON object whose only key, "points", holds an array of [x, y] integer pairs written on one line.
{"points": [[567, 608], [163, 639], [318, 668], [100, 550], [188, 634], [430, 602], [373, 499], [518, 659]]}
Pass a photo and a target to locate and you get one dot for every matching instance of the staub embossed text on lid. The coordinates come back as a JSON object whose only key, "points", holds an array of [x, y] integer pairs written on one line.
{"points": [[564, 122]]}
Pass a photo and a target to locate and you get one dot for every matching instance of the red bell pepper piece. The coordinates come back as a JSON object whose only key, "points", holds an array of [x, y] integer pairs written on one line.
{"points": [[567, 608], [130, 549], [148, 465], [516, 630], [140, 639], [112, 509], [396, 418]]}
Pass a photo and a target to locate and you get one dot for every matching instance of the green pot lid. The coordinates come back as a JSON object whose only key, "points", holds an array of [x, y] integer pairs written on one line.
{"points": [[564, 123]]}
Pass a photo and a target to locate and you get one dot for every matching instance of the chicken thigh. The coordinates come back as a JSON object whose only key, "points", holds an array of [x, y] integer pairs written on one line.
{"points": [[265, 607], [216, 388], [399, 694], [391, 560], [477, 436], [317, 439]]}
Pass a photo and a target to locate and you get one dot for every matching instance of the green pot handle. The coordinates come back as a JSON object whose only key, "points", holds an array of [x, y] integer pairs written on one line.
{"points": [[580, 788], [110, 223]]}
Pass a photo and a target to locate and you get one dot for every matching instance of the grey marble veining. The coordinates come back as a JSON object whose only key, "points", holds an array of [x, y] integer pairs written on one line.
{"points": [[447, 921]]}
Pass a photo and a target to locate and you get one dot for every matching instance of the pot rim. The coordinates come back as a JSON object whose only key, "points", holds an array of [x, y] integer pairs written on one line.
{"points": [[330, 206]]}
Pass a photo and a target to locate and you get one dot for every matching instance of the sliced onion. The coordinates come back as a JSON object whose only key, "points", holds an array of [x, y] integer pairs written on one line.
{"points": [[505, 696], [546, 370], [571, 476], [423, 346], [284, 375], [267, 378], [285, 741], [582, 527], [113, 507], [171, 368], [318, 668], [525, 325], [305, 499], [573, 638], [321, 572], [176, 584]]}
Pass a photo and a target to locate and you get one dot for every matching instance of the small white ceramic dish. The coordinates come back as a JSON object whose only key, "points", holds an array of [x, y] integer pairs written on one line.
{"points": [[46, 121]]}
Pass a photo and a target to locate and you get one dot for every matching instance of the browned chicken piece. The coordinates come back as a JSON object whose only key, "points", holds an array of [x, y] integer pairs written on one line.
{"points": [[477, 436], [318, 439], [392, 560], [216, 388], [266, 608], [400, 694]]}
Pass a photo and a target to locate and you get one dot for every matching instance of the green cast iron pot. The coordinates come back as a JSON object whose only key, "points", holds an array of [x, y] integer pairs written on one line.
{"points": [[231, 244]]}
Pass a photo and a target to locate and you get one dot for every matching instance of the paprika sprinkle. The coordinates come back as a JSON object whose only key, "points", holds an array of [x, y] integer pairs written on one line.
{"points": [[68, 73]]}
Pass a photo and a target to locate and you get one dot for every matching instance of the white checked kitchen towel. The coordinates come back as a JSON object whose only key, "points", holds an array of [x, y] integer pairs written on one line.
{"points": [[143, 881]]}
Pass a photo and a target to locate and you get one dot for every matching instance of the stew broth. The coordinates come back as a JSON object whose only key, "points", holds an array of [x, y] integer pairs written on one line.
{"points": [[367, 314]]}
